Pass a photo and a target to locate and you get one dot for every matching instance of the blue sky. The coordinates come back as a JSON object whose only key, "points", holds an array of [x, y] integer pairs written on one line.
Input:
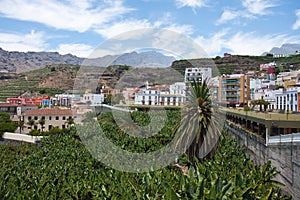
{"points": [[238, 26]]}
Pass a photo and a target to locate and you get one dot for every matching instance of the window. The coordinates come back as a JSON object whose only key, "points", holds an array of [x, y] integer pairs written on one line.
{"points": [[29, 118], [64, 118], [50, 118], [295, 97], [57, 117], [43, 117], [35, 118]]}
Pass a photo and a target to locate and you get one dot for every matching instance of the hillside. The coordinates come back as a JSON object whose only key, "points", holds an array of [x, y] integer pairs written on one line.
{"points": [[238, 63], [49, 80], [53, 79]]}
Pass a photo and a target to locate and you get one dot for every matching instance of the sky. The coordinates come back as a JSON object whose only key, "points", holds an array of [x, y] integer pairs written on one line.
{"points": [[244, 27]]}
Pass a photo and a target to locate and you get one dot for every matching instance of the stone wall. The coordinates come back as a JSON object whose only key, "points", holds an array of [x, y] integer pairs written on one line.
{"points": [[284, 156]]}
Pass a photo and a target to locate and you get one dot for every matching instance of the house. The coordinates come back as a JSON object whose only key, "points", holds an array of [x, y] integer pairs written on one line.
{"points": [[64, 99], [16, 109], [53, 117], [162, 95], [93, 98]]}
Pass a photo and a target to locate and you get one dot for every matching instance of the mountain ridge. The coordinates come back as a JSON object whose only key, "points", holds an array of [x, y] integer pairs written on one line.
{"points": [[14, 61]]}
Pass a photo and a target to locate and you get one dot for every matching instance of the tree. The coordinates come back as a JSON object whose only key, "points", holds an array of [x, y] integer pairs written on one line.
{"points": [[261, 103], [199, 125], [108, 98], [6, 125], [30, 123], [42, 123], [70, 121], [20, 124]]}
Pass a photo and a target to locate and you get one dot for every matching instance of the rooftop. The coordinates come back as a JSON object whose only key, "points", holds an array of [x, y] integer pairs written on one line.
{"points": [[49, 111]]}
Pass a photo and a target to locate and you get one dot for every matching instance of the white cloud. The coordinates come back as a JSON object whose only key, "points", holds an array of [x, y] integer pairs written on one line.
{"points": [[69, 15], [112, 30], [258, 7], [228, 15], [252, 9], [242, 43], [33, 41], [80, 50], [191, 3], [296, 25], [214, 44]]}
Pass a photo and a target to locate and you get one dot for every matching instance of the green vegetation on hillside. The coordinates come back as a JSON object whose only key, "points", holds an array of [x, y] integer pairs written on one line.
{"points": [[238, 63]]}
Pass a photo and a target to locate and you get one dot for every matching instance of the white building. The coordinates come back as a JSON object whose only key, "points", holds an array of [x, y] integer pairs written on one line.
{"points": [[288, 99], [178, 88], [173, 95], [64, 99], [93, 98], [197, 73], [147, 97]]}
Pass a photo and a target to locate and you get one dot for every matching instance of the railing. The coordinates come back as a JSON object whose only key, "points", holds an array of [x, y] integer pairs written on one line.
{"points": [[22, 137], [264, 115], [294, 137]]}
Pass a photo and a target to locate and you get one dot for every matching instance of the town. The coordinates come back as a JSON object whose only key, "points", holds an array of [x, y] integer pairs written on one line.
{"points": [[266, 90]]}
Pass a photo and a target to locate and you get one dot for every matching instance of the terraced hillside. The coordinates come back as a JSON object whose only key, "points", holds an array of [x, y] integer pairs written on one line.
{"points": [[45, 81], [56, 79]]}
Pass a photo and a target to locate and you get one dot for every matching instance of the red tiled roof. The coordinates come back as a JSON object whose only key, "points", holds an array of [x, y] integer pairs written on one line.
{"points": [[49, 111], [16, 105]]}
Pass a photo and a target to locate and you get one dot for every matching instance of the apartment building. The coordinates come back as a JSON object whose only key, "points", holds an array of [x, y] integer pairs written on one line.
{"points": [[197, 74], [234, 89], [288, 99]]}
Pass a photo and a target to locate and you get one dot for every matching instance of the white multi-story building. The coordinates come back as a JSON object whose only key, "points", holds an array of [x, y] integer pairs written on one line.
{"points": [[147, 97], [197, 73], [93, 98], [178, 88], [64, 99], [288, 99], [173, 95]]}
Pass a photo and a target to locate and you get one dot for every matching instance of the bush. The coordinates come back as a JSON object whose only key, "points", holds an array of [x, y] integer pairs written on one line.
{"points": [[6, 125]]}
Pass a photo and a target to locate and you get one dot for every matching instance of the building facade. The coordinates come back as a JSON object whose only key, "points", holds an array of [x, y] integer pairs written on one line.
{"points": [[234, 89], [197, 74], [288, 99], [53, 117], [93, 98]]}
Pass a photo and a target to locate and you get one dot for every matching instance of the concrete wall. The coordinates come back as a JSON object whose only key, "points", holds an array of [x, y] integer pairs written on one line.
{"points": [[284, 156]]}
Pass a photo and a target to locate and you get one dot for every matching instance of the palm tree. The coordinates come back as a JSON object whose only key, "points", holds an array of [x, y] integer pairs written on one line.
{"points": [[199, 126], [30, 123], [20, 124], [42, 123]]}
